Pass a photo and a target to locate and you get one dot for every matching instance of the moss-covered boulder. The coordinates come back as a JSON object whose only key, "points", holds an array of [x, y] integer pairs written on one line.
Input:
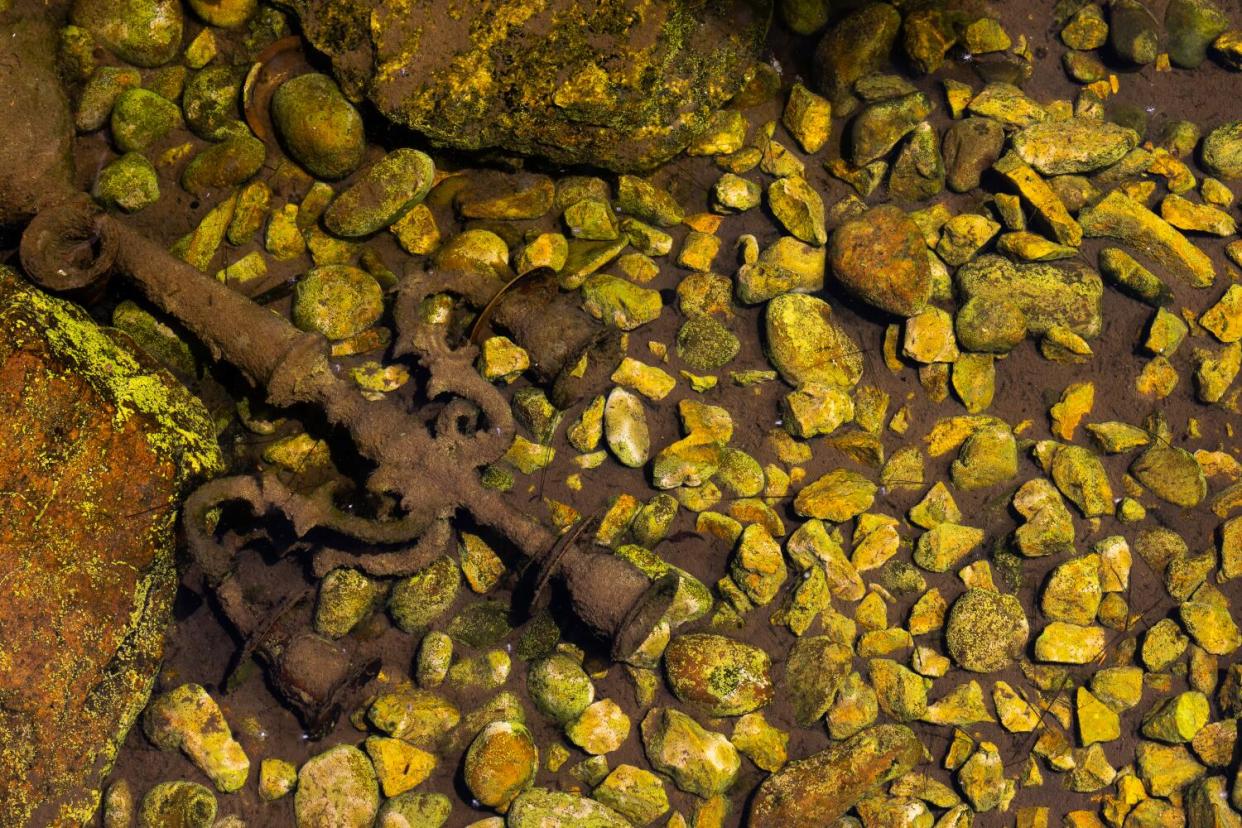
{"points": [[602, 84], [86, 597]]}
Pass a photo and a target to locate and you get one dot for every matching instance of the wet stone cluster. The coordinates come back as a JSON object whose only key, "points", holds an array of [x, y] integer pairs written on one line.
{"points": [[927, 404]]}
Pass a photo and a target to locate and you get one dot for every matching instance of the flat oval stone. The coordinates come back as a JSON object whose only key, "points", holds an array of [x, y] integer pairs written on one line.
{"points": [[385, 192], [1073, 145]]}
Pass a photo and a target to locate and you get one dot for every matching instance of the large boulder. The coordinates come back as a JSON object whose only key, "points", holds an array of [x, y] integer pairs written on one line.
{"points": [[96, 447], [624, 85]]}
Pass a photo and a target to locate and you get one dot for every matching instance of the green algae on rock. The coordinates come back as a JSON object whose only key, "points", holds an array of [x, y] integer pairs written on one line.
{"points": [[559, 687], [129, 183], [699, 761], [181, 804], [986, 630], [338, 301], [187, 718], [382, 194], [1047, 294], [720, 675], [337, 789], [593, 84], [321, 130], [500, 763], [542, 808], [1120, 217], [805, 345]]}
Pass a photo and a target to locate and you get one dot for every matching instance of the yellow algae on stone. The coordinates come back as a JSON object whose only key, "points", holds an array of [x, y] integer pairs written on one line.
{"points": [[189, 719], [1097, 722], [1063, 643], [1076, 402], [1119, 217]]}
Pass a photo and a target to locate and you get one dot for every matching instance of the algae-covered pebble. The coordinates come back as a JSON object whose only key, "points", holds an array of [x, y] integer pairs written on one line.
{"points": [[1047, 294], [140, 118], [880, 125], [226, 164], [799, 208], [345, 598], [647, 202], [542, 808], [1177, 719], [1191, 26], [145, 33], [1207, 617], [187, 718], [942, 546], [986, 630], [338, 301], [1061, 642], [808, 117], [412, 809], [970, 147], [837, 496], [880, 258], [625, 428], [130, 183], [806, 345], [989, 325], [318, 126], [277, 778], [600, 728], [421, 598], [787, 265], [180, 804], [633, 792], [1075, 145], [858, 44], [337, 788], [705, 344], [559, 687], [720, 675], [500, 763], [814, 672], [1172, 473], [418, 716], [816, 408], [382, 194], [399, 766], [1120, 217], [620, 303], [699, 761], [226, 14]]}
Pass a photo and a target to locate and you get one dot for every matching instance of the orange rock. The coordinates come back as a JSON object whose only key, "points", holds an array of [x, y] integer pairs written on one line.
{"points": [[96, 447]]}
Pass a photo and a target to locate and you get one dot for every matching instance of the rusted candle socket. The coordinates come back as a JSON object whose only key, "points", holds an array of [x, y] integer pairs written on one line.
{"points": [[557, 333]]}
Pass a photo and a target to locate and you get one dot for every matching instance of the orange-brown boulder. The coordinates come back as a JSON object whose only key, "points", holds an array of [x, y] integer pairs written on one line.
{"points": [[96, 448]]}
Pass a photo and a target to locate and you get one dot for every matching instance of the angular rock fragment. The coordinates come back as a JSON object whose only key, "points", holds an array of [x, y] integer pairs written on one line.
{"points": [[821, 788]]}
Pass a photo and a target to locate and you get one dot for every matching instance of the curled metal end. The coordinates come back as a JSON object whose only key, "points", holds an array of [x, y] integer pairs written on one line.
{"points": [[67, 248]]}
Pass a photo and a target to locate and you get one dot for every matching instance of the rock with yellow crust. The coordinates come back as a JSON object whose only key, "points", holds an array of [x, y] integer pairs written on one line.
{"points": [[821, 788]]}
